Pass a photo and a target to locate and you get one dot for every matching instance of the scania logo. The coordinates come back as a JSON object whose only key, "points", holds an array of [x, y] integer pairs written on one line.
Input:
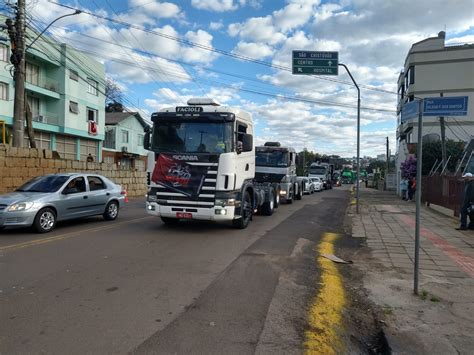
{"points": [[185, 157]]}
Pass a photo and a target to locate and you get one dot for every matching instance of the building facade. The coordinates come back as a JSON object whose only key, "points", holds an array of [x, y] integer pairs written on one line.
{"points": [[433, 69], [123, 144], [65, 93]]}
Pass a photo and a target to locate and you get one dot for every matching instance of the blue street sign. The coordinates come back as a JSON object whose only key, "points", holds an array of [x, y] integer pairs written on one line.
{"points": [[409, 110], [445, 106]]}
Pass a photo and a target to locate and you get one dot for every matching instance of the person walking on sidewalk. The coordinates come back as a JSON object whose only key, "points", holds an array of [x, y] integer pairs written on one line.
{"points": [[411, 188], [468, 199], [404, 188]]}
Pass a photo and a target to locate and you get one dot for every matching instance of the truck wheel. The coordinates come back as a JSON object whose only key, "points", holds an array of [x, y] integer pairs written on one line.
{"points": [[170, 221], [269, 206], [299, 193], [246, 213], [276, 203], [289, 200]]}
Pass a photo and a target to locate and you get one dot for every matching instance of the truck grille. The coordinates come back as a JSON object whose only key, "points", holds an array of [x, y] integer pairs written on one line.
{"points": [[206, 197]]}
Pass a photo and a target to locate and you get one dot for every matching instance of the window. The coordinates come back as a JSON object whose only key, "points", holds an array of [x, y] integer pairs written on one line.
{"points": [[3, 53], [32, 73], [92, 115], [140, 140], [73, 75], [109, 138], [3, 91], [411, 75], [75, 186], [73, 107], [34, 104], [92, 87], [95, 183], [124, 136]]}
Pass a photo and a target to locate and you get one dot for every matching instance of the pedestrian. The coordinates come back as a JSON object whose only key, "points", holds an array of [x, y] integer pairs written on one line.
{"points": [[411, 188], [404, 188], [90, 158], [468, 199]]}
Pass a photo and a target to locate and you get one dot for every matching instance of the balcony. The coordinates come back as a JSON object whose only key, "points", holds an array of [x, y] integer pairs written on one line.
{"points": [[44, 86], [46, 117]]}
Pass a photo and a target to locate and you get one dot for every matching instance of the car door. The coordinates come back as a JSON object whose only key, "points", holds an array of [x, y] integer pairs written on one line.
{"points": [[98, 195], [74, 199]]}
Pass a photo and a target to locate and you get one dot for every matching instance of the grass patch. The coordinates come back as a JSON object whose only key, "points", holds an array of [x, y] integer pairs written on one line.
{"points": [[434, 299], [424, 295], [387, 310]]}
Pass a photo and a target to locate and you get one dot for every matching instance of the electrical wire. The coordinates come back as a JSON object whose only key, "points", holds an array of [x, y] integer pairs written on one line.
{"points": [[215, 50]]}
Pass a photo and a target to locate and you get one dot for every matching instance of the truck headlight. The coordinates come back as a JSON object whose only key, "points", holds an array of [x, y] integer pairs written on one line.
{"points": [[225, 202], [22, 206], [282, 192]]}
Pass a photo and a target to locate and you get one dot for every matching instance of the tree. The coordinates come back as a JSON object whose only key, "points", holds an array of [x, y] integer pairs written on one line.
{"points": [[408, 168], [432, 152], [113, 97]]}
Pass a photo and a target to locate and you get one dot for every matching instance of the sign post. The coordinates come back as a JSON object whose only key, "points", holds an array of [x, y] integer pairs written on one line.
{"points": [[327, 63]]}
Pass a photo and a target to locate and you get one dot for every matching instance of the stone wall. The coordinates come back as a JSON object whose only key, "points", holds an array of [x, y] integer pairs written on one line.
{"points": [[18, 165]]}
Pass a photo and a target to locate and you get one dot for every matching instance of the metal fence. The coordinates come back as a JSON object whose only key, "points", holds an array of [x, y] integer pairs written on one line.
{"points": [[445, 191]]}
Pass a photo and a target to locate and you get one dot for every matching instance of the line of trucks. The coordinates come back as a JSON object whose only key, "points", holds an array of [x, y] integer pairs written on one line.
{"points": [[203, 164]]}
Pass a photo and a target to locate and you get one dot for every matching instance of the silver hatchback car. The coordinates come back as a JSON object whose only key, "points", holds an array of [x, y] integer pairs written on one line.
{"points": [[44, 200]]}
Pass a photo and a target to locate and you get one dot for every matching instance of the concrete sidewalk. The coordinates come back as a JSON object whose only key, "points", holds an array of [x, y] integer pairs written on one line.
{"points": [[440, 320]]}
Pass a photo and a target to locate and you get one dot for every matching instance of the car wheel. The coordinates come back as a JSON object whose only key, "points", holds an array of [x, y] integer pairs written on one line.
{"points": [[45, 220], [170, 221], [111, 211], [246, 213]]}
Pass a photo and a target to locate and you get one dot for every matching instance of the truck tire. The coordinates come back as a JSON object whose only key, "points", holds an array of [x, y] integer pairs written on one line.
{"points": [[276, 203], [170, 221], [246, 213], [289, 200], [269, 206], [299, 192]]}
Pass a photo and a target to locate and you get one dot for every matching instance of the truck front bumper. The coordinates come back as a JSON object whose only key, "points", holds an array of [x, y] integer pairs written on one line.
{"points": [[215, 213]]}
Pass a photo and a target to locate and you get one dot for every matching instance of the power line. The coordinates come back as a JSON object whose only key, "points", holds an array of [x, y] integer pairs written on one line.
{"points": [[316, 102], [215, 50]]}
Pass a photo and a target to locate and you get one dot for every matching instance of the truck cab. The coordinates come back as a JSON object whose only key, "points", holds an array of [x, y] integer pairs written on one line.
{"points": [[203, 164], [277, 165]]}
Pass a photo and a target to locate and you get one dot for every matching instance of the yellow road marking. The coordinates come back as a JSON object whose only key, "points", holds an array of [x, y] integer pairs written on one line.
{"points": [[64, 236], [325, 315]]}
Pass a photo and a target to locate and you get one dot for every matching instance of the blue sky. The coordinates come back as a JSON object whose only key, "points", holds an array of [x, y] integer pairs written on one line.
{"points": [[371, 36]]}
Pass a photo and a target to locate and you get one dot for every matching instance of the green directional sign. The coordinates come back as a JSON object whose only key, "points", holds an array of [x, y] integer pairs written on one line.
{"points": [[315, 63]]}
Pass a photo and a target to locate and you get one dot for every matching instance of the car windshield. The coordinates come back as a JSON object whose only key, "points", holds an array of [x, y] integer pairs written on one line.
{"points": [[50, 183], [272, 158], [317, 170], [192, 137]]}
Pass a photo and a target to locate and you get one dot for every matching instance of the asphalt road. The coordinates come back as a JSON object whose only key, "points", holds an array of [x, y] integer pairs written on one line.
{"points": [[136, 285]]}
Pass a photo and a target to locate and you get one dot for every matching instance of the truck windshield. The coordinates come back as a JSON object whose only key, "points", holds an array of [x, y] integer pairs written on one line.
{"points": [[272, 158], [317, 170], [192, 137]]}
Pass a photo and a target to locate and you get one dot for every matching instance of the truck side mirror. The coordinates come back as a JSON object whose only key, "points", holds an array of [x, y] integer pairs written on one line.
{"points": [[240, 147], [146, 140], [247, 143], [297, 160]]}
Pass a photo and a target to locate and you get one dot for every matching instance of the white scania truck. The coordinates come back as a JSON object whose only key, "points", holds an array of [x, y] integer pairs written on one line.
{"points": [[203, 165]]}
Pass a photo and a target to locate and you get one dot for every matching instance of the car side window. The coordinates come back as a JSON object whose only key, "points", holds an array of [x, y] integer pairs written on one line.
{"points": [[75, 186], [95, 183]]}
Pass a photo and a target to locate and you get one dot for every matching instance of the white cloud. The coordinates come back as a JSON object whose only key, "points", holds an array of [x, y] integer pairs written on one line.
{"points": [[461, 40], [295, 14], [253, 50], [257, 29], [216, 25], [215, 5]]}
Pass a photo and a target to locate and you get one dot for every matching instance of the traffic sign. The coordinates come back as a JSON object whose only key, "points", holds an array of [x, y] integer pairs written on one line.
{"points": [[409, 111], [316, 63], [445, 106]]}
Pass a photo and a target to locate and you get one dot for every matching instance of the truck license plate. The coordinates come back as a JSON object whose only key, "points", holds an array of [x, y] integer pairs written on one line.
{"points": [[184, 215]]}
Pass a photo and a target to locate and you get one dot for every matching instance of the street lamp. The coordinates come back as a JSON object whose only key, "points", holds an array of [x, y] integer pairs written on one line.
{"points": [[77, 12]]}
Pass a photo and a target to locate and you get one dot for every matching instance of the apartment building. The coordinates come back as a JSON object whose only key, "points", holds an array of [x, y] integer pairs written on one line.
{"points": [[433, 69], [65, 93]]}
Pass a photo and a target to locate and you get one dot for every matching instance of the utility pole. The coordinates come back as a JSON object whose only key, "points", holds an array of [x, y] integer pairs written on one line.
{"points": [[17, 37], [443, 140], [387, 164]]}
